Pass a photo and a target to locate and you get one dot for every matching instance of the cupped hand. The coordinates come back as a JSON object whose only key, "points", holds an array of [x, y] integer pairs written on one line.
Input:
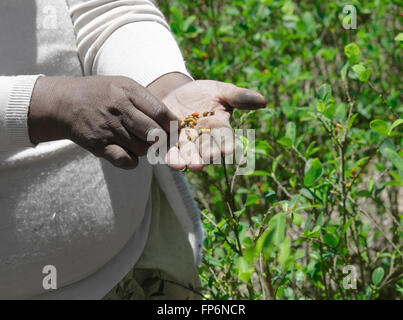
{"points": [[210, 135]]}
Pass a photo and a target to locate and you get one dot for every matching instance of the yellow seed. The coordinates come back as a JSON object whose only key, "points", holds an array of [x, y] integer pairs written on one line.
{"points": [[208, 113], [204, 130]]}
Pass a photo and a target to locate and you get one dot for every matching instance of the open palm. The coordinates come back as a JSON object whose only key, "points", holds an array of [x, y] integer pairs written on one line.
{"points": [[210, 135]]}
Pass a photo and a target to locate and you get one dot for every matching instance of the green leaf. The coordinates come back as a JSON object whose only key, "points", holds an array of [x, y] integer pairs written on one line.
{"points": [[320, 106], [364, 193], [249, 254], [313, 171], [291, 131], [399, 37], [362, 72], [377, 275], [330, 240], [273, 236], [297, 219], [305, 192], [275, 163], [379, 126], [293, 181], [285, 141], [350, 123], [325, 92], [358, 69], [284, 252], [270, 196], [245, 269], [188, 22], [330, 110], [265, 243], [264, 146], [352, 51], [239, 212], [259, 173], [277, 224], [398, 122], [252, 199], [394, 158], [344, 71], [364, 77], [346, 226]]}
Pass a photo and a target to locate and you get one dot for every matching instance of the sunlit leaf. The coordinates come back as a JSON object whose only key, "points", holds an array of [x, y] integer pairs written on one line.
{"points": [[379, 126], [245, 269], [394, 158], [377, 275], [313, 171]]}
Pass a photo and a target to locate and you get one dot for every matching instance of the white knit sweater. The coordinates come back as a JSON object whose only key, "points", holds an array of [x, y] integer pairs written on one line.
{"points": [[59, 205]]}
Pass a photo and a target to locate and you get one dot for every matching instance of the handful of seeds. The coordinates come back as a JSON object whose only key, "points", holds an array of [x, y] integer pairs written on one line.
{"points": [[190, 122]]}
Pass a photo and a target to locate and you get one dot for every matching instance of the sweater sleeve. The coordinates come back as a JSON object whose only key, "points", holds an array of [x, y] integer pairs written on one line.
{"points": [[114, 37], [125, 37], [15, 97]]}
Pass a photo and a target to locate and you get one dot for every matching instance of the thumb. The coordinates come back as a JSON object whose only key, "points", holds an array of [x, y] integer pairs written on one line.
{"points": [[240, 98]]}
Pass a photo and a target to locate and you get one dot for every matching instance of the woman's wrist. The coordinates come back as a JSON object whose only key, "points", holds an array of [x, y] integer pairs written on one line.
{"points": [[165, 84], [43, 117]]}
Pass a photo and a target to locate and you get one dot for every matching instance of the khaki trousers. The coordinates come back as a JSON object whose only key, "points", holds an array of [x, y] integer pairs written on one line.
{"points": [[166, 269]]}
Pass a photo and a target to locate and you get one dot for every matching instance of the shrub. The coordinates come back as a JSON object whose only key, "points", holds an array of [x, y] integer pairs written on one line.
{"points": [[325, 201]]}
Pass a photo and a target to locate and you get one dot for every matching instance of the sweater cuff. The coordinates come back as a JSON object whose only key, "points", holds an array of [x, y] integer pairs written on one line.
{"points": [[14, 119]]}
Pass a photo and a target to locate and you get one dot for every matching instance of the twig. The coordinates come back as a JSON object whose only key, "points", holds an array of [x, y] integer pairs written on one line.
{"points": [[280, 186], [381, 230], [383, 99], [219, 230]]}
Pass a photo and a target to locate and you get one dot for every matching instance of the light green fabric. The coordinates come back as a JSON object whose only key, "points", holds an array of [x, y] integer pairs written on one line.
{"points": [[166, 269]]}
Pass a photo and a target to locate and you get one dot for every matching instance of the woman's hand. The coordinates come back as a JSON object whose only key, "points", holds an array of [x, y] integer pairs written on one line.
{"points": [[109, 116], [213, 97]]}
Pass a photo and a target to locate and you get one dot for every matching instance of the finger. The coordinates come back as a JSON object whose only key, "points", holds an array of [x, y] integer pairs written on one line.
{"points": [[174, 159], [120, 157], [138, 124], [240, 98], [130, 142], [189, 151], [224, 138], [220, 129], [186, 135], [208, 149], [151, 106]]}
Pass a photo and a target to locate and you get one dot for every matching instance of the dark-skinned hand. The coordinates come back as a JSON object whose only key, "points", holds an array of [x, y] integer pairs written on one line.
{"points": [[110, 116]]}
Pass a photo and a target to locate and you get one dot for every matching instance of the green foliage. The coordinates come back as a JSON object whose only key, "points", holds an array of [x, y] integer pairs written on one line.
{"points": [[377, 275], [313, 171], [327, 189]]}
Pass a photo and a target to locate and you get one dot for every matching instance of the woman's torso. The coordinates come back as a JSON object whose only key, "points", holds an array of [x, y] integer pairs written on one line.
{"points": [[59, 205]]}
